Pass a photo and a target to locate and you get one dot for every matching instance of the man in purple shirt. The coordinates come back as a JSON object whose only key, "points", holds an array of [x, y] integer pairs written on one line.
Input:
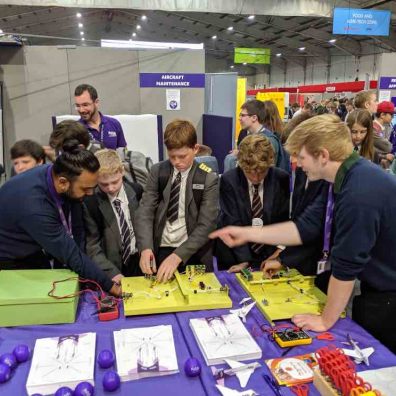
{"points": [[103, 129]]}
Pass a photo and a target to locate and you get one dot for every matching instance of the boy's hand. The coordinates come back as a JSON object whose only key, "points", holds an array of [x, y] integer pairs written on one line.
{"points": [[147, 262], [168, 267], [238, 267]]}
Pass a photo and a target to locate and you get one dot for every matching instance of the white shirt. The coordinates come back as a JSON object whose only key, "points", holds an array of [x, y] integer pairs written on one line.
{"points": [[125, 208], [260, 190], [176, 233]]}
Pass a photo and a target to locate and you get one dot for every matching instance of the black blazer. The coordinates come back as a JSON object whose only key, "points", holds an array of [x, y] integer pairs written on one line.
{"points": [[235, 209], [309, 206]]}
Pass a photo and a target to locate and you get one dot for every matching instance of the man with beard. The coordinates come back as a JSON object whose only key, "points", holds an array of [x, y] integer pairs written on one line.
{"points": [[36, 221], [103, 129]]}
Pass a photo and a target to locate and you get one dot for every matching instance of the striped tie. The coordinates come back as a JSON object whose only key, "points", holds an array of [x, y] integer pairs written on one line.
{"points": [[173, 207], [257, 213], [126, 234]]}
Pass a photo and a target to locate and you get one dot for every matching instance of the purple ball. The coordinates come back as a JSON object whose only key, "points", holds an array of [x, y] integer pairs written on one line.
{"points": [[106, 358], [9, 359], [5, 372], [192, 367], [64, 391], [111, 381], [84, 389], [21, 353]]}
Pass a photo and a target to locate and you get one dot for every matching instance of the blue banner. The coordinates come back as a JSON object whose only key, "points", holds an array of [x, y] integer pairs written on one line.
{"points": [[361, 22], [172, 80], [387, 83]]}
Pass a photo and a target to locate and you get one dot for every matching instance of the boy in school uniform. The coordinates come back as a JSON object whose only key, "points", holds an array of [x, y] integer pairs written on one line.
{"points": [[178, 209], [254, 193], [109, 219]]}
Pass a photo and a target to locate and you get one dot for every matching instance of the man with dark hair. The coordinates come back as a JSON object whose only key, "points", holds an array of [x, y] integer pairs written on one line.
{"points": [[178, 209], [103, 129], [26, 154], [36, 220]]}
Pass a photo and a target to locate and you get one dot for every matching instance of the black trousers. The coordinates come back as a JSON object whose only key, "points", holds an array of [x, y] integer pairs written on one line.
{"points": [[132, 268], [375, 311]]}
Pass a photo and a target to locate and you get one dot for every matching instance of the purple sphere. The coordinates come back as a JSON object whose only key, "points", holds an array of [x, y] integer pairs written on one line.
{"points": [[111, 381], [106, 358], [9, 359], [21, 353], [84, 389], [192, 367], [5, 372], [64, 391]]}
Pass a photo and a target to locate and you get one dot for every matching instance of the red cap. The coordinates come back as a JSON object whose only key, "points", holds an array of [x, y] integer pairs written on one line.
{"points": [[386, 107]]}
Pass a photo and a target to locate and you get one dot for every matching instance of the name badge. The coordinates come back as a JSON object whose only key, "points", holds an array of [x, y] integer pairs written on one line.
{"points": [[198, 186], [257, 222], [112, 134], [323, 266]]}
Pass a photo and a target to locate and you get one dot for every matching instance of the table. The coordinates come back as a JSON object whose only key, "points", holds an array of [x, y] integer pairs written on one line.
{"points": [[186, 346]]}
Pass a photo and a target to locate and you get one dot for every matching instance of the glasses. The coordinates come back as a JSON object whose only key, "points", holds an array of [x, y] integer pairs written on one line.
{"points": [[241, 115], [83, 105]]}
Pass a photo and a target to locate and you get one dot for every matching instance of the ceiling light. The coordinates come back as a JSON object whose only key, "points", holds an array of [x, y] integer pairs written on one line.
{"points": [[133, 34], [214, 37], [82, 38], [230, 28], [251, 17], [332, 41], [143, 17], [138, 27], [148, 44], [81, 33], [78, 15], [302, 48], [232, 66], [80, 25], [244, 63], [278, 54]]}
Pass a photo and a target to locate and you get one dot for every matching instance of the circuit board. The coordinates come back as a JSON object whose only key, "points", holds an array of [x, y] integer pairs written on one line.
{"points": [[190, 291], [285, 295]]}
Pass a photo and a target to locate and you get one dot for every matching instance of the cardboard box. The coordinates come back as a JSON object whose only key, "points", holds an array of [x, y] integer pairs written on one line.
{"points": [[24, 297]]}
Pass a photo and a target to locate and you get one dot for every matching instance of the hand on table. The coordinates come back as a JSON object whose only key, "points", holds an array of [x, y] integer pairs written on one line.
{"points": [[147, 262], [238, 267], [168, 267], [270, 267], [310, 322]]}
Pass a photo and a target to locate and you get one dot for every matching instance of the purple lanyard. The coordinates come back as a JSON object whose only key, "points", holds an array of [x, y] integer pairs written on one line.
{"points": [[328, 222], [55, 196]]}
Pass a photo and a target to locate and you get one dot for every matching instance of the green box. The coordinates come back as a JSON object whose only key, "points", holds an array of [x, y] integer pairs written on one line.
{"points": [[24, 297]]}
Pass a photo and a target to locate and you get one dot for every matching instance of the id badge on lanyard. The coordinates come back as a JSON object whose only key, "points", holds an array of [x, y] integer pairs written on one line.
{"points": [[324, 263]]}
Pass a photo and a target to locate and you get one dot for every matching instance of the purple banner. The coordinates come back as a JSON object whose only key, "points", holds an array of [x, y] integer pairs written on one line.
{"points": [[172, 80], [387, 83]]}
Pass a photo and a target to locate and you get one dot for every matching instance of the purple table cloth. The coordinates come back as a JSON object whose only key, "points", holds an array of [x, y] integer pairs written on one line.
{"points": [[186, 346]]}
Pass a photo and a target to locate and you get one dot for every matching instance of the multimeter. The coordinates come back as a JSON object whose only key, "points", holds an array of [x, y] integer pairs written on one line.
{"points": [[290, 337]]}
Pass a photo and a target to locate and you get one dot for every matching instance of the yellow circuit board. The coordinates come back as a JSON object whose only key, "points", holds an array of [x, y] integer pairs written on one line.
{"points": [[185, 292], [288, 294]]}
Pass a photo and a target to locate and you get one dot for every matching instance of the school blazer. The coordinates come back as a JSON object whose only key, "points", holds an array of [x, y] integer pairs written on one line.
{"points": [[103, 239], [151, 216], [235, 206]]}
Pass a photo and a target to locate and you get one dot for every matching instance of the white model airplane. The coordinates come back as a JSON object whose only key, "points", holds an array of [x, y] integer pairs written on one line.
{"points": [[242, 312], [358, 355], [232, 392], [243, 371]]}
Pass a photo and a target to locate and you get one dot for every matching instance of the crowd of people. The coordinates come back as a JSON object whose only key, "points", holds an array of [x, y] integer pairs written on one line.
{"points": [[312, 194]]}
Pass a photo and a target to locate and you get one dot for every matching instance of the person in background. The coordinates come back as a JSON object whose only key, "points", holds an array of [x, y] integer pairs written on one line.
{"points": [[349, 108], [103, 129], [293, 123], [178, 209], [360, 124], [292, 109], [331, 108], [366, 100], [26, 154], [307, 108], [254, 193], [109, 219], [383, 119], [272, 120], [36, 219]]}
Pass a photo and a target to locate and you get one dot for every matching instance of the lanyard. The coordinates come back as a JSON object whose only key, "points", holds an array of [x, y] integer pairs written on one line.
{"points": [[328, 222], [67, 224], [292, 182]]}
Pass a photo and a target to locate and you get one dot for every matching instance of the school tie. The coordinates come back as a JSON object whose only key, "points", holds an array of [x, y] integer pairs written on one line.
{"points": [[173, 207], [126, 235], [257, 212]]}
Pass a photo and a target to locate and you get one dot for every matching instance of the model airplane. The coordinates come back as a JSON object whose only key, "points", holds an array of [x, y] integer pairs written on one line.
{"points": [[232, 392], [241, 370], [358, 355], [242, 312]]}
